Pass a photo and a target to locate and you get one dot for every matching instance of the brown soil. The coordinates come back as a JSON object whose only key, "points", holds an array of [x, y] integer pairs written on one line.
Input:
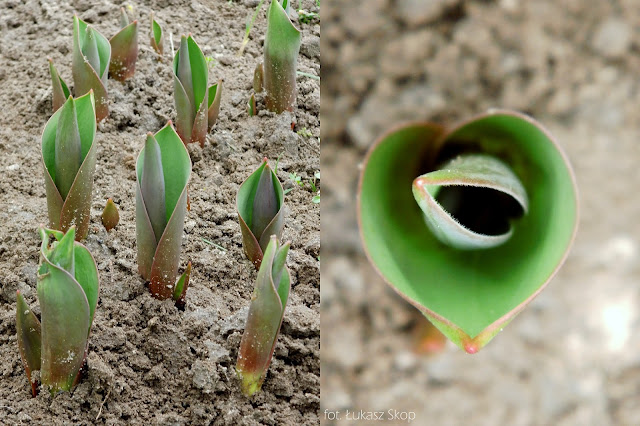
{"points": [[149, 361], [571, 357]]}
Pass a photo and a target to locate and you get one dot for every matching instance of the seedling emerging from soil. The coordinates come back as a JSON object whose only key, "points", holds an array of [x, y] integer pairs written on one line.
{"points": [[163, 170], [248, 27], [68, 294], [260, 203], [251, 105], [59, 88], [265, 317], [110, 215], [491, 218], [281, 48], [124, 47], [196, 112], [157, 39], [91, 57], [69, 160]]}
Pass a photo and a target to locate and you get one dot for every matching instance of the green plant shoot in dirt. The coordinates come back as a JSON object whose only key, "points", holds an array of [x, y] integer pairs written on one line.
{"points": [[163, 169], [197, 104], [91, 57], [278, 71], [468, 224], [248, 27], [110, 216], [266, 311], [157, 39], [57, 344], [69, 161], [259, 203], [251, 106], [124, 49]]}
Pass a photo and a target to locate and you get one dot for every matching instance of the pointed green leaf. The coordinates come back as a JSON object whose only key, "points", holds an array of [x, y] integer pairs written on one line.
{"points": [[213, 97], [251, 106], [152, 186], [124, 48], [68, 148], [124, 19], [265, 202], [110, 216], [265, 317], [157, 41], [466, 180], [180, 292], [183, 71], [281, 48], [59, 87], [75, 208], [29, 339], [468, 295], [86, 274], [90, 49], [85, 76]]}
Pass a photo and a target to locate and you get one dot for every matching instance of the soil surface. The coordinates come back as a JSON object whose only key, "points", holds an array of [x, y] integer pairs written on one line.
{"points": [[148, 361], [573, 356]]}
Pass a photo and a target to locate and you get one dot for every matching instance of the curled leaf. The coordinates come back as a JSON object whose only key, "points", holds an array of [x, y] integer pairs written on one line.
{"points": [[124, 49], [157, 40], [59, 88], [29, 340], [215, 93]]}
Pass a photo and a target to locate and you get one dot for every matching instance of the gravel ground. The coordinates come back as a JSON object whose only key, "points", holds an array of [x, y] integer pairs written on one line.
{"points": [[573, 356]]}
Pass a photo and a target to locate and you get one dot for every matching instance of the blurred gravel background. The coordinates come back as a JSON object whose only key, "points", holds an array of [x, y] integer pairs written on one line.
{"points": [[573, 356]]}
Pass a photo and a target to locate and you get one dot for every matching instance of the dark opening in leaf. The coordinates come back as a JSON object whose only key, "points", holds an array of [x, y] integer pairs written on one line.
{"points": [[482, 210]]}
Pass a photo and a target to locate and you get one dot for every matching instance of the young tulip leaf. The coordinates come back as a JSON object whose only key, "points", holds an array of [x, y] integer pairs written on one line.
{"points": [[190, 91], [152, 186], [29, 339], [91, 57], [157, 41], [469, 295], [67, 301], [124, 19], [215, 92], [472, 177], [281, 48], [59, 88], [258, 78], [110, 215], [159, 252], [259, 203], [180, 292], [251, 106], [124, 48], [68, 148], [70, 203], [265, 317]]}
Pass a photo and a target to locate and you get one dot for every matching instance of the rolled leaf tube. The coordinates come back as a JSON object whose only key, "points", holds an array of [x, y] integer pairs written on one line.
{"points": [[91, 58], [124, 48], [69, 161], [260, 202], [68, 287], [281, 48], [163, 169], [157, 40], [266, 311], [524, 193], [190, 81], [59, 88]]}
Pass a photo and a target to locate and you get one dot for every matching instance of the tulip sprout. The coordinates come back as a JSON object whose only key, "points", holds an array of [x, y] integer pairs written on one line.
{"points": [[69, 160], [259, 203], [490, 221], [67, 288], [197, 104], [157, 39], [163, 169], [91, 57], [124, 48], [281, 48], [266, 311]]}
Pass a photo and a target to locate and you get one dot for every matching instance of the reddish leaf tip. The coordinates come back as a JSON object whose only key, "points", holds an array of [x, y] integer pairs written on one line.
{"points": [[471, 348]]}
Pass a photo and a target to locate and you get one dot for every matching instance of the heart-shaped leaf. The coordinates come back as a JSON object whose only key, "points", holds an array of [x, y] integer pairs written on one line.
{"points": [[469, 295]]}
